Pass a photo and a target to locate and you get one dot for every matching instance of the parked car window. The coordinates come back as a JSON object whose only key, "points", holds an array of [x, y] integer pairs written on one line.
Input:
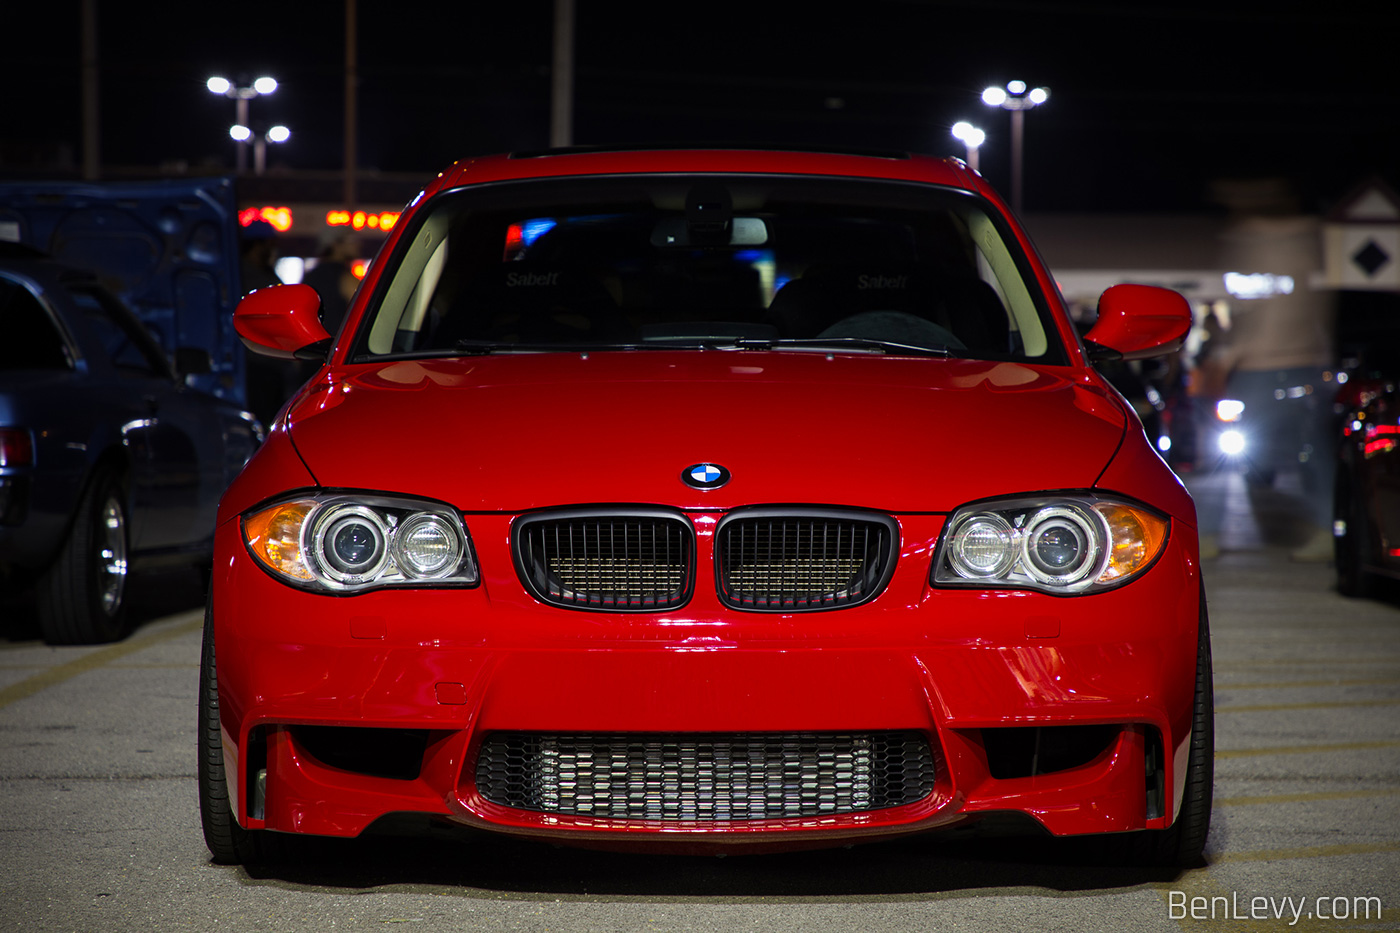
{"points": [[124, 338], [636, 263], [29, 338]]}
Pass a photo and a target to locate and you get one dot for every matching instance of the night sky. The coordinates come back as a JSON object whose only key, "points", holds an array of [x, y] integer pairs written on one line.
{"points": [[1149, 102]]}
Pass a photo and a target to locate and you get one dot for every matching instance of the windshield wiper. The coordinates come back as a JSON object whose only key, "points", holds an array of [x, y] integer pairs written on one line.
{"points": [[818, 344], [485, 347]]}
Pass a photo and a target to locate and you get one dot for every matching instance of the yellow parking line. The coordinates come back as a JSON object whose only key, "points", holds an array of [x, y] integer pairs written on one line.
{"points": [[91, 661], [1307, 798], [1340, 704], [1382, 661], [1303, 749], [1275, 855], [1285, 684]]}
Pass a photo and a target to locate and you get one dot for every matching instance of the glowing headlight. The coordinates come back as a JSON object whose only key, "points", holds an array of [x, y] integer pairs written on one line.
{"points": [[1060, 545], [347, 543], [1232, 443]]}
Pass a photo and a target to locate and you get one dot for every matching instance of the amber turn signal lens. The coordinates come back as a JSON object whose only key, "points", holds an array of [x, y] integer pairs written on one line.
{"points": [[274, 537], [1136, 537]]}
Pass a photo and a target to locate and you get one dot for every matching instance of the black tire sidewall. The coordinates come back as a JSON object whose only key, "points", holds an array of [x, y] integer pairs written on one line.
{"points": [[70, 591], [228, 843]]}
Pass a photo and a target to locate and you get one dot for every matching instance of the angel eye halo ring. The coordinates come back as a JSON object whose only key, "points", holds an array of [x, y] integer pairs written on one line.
{"points": [[347, 542]]}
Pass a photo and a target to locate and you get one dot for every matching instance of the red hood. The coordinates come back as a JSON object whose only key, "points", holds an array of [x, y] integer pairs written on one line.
{"points": [[515, 432]]}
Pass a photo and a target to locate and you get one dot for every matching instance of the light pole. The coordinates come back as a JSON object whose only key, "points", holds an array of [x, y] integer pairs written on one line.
{"points": [[241, 95], [972, 138], [1017, 98]]}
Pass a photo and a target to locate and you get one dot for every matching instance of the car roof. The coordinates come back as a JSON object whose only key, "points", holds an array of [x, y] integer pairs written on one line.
{"points": [[599, 161], [38, 266]]}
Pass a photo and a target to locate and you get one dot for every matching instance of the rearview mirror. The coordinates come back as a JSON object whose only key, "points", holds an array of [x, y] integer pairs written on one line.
{"points": [[676, 231]]}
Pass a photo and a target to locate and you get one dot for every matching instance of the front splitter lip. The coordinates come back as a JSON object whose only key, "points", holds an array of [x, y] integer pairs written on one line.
{"points": [[937, 812]]}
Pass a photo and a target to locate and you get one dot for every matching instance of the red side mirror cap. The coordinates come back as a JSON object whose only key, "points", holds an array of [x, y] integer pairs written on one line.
{"points": [[1140, 321], [280, 320]]}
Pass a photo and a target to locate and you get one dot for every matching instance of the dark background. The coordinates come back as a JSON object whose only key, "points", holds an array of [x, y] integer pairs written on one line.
{"points": [[1149, 102]]}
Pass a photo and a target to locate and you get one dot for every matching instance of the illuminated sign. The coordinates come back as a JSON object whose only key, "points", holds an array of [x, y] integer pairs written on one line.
{"points": [[279, 217], [359, 220], [1257, 285]]}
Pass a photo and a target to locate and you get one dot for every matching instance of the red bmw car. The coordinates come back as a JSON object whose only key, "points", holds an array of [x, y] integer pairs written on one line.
{"points": [[708, 500]]}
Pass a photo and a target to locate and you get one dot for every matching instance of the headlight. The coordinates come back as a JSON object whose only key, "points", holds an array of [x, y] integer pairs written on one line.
{"points": [[1232, 443], [1058, 545], [348, 543]]}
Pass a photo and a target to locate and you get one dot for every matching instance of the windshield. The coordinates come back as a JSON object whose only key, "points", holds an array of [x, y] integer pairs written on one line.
{"points": [[709, 261]]}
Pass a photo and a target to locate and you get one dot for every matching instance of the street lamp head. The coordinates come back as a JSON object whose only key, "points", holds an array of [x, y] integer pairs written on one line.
{"points": [[279, 134], [1015, 96], [968, 134], [240, 133], [218, 85], [265, 85]]}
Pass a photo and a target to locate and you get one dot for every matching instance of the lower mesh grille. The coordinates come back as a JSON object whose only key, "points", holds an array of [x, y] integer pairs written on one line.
{"points": [[689, 777], [581, 560], [784, 562]]}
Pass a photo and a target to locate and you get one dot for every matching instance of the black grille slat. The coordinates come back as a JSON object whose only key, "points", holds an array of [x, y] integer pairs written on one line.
{"points": [[627, 562], [796, 562], [705, 778]]}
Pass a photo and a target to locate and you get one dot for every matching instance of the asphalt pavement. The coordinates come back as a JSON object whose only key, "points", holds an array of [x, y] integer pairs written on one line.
{"points": [[99, 826]]}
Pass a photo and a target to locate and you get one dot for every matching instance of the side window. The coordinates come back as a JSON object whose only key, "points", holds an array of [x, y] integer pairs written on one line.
{"points": [[130, 347], [29, 337]]}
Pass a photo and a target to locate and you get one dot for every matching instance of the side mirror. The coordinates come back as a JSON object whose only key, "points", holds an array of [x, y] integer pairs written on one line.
{"points": [[282, 321], [1137, 322]]}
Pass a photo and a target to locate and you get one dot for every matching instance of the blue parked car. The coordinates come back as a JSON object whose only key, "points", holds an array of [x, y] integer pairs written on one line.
{"points": [[110, 463]]}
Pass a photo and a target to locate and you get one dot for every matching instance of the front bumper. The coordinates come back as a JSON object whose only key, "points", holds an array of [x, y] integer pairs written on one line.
{"points": [[458, 666]]}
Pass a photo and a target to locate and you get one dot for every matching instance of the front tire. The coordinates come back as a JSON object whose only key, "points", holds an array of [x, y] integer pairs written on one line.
{"points": [[82, 597], [229, 843], [1181, 844]]}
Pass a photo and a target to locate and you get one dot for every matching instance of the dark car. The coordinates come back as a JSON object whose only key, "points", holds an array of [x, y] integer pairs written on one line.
{"points": [[109, 463], [1366, 504]]}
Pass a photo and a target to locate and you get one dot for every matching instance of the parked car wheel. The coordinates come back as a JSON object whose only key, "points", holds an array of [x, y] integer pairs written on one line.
{"points": [[229, 843], [1350, 546], [82, 597]]}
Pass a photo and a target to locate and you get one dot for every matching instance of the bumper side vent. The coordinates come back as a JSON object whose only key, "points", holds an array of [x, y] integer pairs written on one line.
{"points": [[388, 753], [1025, 751]]}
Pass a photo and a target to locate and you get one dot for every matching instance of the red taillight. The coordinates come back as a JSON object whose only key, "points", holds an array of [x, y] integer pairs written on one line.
{"points": [[16, 449]]}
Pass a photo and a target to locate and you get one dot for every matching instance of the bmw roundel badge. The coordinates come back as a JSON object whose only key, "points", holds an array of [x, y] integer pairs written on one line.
{"points": [[705, 476]]}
